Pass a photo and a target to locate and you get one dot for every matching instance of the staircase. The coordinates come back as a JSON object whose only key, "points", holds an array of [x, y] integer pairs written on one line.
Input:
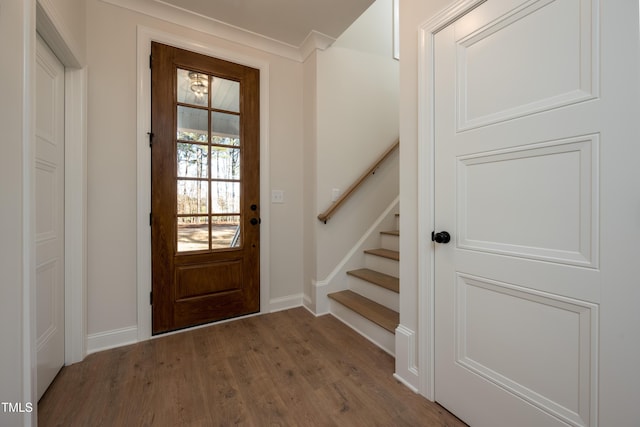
{"points": [[370, 305]]}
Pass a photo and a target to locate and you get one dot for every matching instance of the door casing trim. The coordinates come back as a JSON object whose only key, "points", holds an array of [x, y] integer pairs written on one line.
{"points": [[426, 189], [145, 36], [53, 33]]}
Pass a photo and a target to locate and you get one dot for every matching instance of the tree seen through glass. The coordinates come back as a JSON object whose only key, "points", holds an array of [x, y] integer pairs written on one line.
{"points": [[208, 170]]}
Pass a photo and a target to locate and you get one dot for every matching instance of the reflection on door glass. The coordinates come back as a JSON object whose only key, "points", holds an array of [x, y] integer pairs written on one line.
{"points": [[193, 234], [225, 95], [192, 124], [193, 160], [224, 140], [193, 197], [225, 128], [193, 87], [225, 163], [225, 197], [225, 232]]}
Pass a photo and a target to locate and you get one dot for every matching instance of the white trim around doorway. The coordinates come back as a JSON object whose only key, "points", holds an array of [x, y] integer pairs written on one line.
{"points": [[426, 187], [49, 26]]}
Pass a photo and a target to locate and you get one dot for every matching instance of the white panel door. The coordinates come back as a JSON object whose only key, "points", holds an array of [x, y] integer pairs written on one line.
{"points": [[49, 216], [518, 130]]}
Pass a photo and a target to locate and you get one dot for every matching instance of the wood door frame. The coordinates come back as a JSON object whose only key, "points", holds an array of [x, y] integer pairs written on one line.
{"points": [[145, 36], [426, 190]]}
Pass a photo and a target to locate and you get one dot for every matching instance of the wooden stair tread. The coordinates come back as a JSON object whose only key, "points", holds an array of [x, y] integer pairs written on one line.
{"points": [[377, 313], [384, 280], [391, 232], [385, 253]]}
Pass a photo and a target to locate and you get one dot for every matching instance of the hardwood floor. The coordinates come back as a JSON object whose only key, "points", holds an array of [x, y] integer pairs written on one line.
{"points": [[281, 369]]}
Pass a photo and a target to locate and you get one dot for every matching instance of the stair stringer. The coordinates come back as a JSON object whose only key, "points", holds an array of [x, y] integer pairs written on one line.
{"points": [[355, 258]]}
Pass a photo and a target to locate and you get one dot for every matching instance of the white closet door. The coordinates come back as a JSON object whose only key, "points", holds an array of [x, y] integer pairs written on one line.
{"points": [[49, 216]]}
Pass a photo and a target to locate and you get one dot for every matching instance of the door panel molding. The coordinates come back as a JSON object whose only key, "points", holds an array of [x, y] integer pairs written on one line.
{"points": [[571, 331], [567, 234], [478, 50], [145, 37]]}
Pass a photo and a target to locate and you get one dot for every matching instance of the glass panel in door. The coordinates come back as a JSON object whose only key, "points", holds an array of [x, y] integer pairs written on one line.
{"points": [[208, 162]]}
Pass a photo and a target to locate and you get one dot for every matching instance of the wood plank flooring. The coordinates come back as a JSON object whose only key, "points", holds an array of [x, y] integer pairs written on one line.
{"points": [[281, 369]]}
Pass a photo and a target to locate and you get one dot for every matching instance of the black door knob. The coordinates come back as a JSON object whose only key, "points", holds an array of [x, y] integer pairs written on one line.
{"points": [[255, 221], [441, 237]]}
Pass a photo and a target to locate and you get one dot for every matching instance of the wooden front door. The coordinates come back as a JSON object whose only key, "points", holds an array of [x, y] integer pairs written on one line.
{"points": [[205, 189]]}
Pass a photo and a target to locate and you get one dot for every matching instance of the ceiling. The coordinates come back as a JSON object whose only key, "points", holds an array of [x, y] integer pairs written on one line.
{"points": [[287, 21]]}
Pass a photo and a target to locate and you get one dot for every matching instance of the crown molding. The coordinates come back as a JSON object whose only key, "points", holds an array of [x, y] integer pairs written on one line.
{"points": [[315, 40], [204, 24]]}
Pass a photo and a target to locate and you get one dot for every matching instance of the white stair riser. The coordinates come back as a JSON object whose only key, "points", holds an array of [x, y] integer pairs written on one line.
{"points": [[376, 293], [374, 333], [382, 265], [388, 241]]}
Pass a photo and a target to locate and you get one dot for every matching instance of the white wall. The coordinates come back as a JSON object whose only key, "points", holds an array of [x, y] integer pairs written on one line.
{"points": [[112, 264], [68, 18], [71, 14], [357, 120], [15, 252]]}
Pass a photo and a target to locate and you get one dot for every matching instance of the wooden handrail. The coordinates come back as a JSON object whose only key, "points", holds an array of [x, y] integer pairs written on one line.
{"points": [[324, 216]]}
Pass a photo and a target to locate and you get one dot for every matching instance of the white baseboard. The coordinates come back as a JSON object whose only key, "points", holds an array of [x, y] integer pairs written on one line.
{"points": [[111, 339], [406, 383], [321, 290], [307, 303], [406, 368], [304, 305], [124, 336], [285, 303]]}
